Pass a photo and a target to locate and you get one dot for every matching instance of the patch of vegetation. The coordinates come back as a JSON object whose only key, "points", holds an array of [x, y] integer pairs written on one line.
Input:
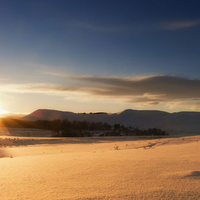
{"points": [[65, 128]]}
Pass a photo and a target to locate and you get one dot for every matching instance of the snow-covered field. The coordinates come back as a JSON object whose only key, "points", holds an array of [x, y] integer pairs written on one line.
{"points": [[99, 168]]}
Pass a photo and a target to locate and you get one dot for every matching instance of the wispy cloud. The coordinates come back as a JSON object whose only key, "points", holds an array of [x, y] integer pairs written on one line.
{"points": [[196, 106], [137, 27], [53, 73], [189, 105], [36, 88], [97, 27], [176, 25], [176, 104]]}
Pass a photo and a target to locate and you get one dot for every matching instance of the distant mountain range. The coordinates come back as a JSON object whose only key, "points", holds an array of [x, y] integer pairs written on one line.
{"points": [[171, 122]]}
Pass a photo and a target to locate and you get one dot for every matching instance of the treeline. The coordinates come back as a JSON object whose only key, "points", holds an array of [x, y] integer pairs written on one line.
{"points": [[16, 123], [65, 128]]}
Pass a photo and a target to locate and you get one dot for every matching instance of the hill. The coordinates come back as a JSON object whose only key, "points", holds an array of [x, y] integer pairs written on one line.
{"points": [[143, 119]]}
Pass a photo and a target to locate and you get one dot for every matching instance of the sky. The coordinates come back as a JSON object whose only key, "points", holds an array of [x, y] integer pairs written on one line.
{"points": [[99, 55]]}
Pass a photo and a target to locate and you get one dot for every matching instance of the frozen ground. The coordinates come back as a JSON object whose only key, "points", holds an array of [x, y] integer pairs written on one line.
{"points": [[99, 168]]}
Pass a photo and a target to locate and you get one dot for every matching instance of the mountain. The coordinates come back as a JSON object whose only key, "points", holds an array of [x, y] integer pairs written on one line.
{"points": [[143, 119], [44, 114]]}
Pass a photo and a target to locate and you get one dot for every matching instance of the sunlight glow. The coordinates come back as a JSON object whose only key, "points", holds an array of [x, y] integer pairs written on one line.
{"points": [[3, 112]]}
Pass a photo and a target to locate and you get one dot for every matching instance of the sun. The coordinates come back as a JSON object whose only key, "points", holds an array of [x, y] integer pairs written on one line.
{"points": [[3, 112]]}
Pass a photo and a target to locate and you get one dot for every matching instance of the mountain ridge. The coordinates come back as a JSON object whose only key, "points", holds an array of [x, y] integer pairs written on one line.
{"points": [[143, 119]]}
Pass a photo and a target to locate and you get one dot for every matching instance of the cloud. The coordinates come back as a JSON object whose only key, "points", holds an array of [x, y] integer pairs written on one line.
{"points": [[147, 91], [196, 106], [52, 73], [162, 87], [36, 88], [172, 105], [147, 104], [190, 105], [176, 25], [97, 27], [136, 27]]}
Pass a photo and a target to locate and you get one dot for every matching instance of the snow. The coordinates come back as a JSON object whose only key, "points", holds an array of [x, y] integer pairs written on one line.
{"points": [[93, 168]]}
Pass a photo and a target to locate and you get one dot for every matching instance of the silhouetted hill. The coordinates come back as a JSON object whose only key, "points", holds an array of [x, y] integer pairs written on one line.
{"points": [[143, 119], [44, 114]]}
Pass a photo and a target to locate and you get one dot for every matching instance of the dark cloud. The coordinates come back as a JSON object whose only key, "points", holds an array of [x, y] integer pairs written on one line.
{"points": [[162, 87]]}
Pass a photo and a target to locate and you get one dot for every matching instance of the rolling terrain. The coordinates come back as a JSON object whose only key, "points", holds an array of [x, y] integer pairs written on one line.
{"points": [[183, 122]]}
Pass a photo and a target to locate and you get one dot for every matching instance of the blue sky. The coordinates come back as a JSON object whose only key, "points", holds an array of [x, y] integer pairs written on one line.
{"points": [[72, 55]]}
